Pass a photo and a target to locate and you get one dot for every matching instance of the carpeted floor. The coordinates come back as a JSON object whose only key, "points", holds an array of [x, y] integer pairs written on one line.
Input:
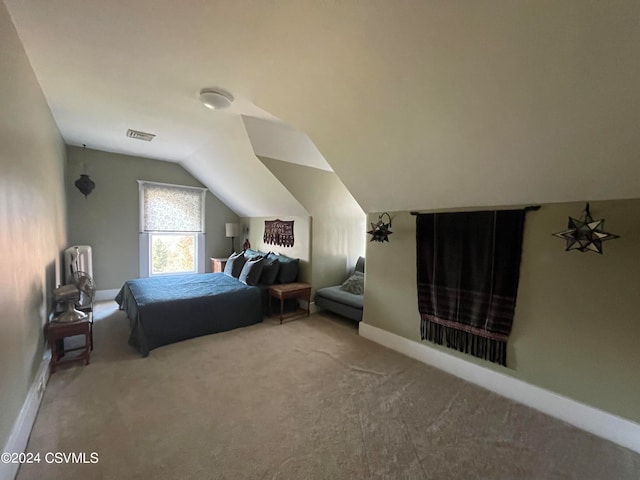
{"points": [[306, 400]]}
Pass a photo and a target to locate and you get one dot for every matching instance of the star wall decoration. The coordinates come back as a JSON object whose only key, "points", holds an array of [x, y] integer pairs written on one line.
{"points": [[585, 234], [380, 231]]}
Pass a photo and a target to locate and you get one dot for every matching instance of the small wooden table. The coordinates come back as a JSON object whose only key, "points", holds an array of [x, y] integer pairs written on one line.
{"points": [[58, 331], [283, 291], [218, 264]]}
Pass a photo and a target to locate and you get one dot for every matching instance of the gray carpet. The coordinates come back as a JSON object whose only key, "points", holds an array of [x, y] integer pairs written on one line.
{"points": [[306, 400]]}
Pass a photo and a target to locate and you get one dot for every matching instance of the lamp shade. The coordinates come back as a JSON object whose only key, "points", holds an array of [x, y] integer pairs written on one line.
{"points": [[232, 229]]}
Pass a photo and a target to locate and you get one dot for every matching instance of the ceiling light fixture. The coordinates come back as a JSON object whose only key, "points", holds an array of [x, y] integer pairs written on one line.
{"points": [[215, 99]]}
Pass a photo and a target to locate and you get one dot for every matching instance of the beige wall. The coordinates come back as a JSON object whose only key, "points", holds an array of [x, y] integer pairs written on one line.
{"points": [[32, 222], [338, 222], [108, 218], [576, 324]]}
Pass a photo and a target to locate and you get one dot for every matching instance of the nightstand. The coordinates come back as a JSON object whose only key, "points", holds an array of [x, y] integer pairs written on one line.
{"points": [[283, 291], [57, 332], [218, 264]]}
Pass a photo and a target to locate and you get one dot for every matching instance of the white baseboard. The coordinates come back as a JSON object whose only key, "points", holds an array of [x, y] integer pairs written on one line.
{"points": [[606, 425], [21, 430], [102, 295], [313, 308]]}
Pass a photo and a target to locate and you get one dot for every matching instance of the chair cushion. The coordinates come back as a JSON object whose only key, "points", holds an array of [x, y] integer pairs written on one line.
{"points": [[338, 295]]}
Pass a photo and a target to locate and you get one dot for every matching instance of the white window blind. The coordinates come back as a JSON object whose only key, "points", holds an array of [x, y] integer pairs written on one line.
{"points": [[171, 229], [171, 208]]}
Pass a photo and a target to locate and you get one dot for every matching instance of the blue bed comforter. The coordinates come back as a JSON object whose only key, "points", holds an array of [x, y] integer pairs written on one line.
{"points": [[172, 308]]}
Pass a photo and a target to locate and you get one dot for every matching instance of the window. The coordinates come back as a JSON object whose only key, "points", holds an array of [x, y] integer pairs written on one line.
{"points": [[173, 253], [171, 229]]}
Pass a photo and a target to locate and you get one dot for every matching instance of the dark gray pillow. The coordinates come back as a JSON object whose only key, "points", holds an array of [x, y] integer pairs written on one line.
{"points": [[251, 271], [234, 264], [288, 269], [354, 284], [270, 269]]}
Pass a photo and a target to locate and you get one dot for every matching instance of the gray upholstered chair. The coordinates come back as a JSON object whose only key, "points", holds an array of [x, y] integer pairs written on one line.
{"points": [[338, 299]]}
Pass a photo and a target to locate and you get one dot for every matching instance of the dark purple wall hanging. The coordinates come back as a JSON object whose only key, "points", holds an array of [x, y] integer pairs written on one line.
{"points": [[278, 232]]}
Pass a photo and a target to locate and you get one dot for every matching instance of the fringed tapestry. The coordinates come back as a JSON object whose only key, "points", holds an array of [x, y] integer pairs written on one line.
{"points": [[468, 267], [278, 232]]}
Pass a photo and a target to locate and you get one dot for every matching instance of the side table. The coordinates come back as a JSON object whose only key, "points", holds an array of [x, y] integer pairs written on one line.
{"points": [[57, 332], [218, 264], [283, 291]]}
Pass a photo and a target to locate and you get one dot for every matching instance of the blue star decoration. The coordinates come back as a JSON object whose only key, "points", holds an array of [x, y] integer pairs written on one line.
{"points": [[585, 235]]}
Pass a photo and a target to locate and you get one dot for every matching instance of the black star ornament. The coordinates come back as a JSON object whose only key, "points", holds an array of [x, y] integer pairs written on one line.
{"points": [[585, 235], [380, 231]]}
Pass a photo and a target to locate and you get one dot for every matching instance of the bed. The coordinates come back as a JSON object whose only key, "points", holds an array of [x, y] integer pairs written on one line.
{"points": [[172, 308]]}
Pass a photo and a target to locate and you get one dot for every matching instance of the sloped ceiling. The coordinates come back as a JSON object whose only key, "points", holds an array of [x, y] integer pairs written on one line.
{"points": [[237, 176], [414, 104]]}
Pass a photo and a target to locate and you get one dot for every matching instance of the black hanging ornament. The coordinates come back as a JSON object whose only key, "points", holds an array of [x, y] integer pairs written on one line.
{"points": [[380, 231], [585, 234], [84, 183]]}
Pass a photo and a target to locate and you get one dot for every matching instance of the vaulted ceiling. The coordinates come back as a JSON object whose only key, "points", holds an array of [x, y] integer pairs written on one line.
{"points": [[414, 104]]}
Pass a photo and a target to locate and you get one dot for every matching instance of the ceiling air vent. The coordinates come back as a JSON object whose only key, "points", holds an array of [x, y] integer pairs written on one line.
{"points": [[147, 137]]}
